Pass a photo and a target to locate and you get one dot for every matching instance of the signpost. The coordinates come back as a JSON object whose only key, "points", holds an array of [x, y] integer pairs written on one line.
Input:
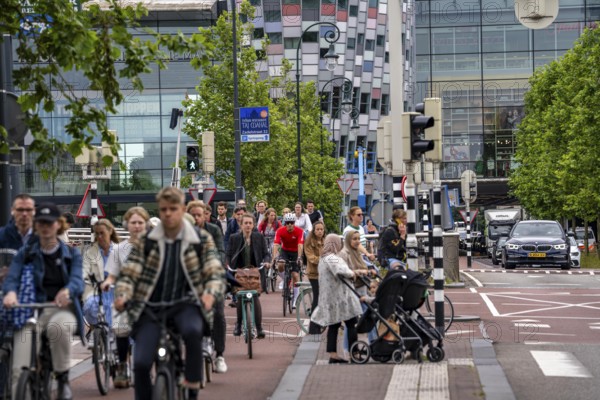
{"points": [[254, 124], [468, 181]]}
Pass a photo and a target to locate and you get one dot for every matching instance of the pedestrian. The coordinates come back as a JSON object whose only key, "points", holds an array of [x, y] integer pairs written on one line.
{"points": [[248, 248], [269, 226], [355, 218], [198, 210], [314, 214], [302, 219], [234, 223], [49, 271], [337, 303], [370, 229], [69, 221], [136, 221], [259, 214], [313, 246], [392, 243], [172, 260], [222, 219]]}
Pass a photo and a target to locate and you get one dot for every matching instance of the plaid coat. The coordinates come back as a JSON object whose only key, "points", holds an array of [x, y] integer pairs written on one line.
{"points": [[204, 272]]}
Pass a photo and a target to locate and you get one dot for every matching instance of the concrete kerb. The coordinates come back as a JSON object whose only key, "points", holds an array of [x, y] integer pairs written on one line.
{"points": [[492, 377], [292, 382]]}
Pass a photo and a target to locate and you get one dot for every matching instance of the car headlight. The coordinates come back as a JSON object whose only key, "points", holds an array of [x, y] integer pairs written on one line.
{"points": [[511, 246], [560, 246]]}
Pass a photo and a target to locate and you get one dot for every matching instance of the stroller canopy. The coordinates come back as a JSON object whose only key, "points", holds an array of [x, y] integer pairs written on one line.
{"points": [[400, 287]]}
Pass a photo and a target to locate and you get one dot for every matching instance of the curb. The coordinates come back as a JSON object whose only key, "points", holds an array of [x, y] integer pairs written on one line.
{"points": [[492, 377], [291, 384]]}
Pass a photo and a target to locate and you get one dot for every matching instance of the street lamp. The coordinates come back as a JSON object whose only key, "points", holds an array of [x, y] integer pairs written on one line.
{"points": [[346, 104], [239, 190], [354, 126], [331, 36]]}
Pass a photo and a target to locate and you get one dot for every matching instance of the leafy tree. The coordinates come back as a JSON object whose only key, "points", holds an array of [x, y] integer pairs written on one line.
{"points": [[87, 40], [557, 143], [269, 169]]}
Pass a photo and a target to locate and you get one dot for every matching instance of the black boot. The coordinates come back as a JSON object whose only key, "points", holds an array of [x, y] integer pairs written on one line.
{"points": [[64, 388], [192, 394], [237, 330]]}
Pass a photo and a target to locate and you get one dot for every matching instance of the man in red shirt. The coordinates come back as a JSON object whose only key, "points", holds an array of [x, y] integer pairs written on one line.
{"points": [[288, 244]]}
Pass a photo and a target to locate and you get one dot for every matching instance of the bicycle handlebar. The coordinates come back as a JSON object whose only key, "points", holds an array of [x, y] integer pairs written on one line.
{"points": [[235, 270], [35, 306]]}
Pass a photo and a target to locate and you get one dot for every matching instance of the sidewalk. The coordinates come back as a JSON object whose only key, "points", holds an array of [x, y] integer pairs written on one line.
{"points": [[469, 370]]}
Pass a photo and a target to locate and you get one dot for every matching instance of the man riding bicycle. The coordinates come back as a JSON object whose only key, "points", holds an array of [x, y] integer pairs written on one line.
{"points": [[288, 245]]}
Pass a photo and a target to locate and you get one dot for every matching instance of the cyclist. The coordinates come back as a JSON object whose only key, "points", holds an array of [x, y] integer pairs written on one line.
{"points": [[56, 276], [288, 245], [172, 260], [248, 248]]}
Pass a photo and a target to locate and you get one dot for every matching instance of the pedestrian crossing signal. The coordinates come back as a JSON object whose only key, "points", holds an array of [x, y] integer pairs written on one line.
{"points": [[193, 161]]}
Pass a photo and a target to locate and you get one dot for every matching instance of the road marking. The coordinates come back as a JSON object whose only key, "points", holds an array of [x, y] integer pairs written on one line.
{"points": [[533, 342], [473, 290], [558, 284], [490, 305], [497, 283], [530, 324], [546, 334], [560, 363], [472, 278], [419, 381], [547, 305]]}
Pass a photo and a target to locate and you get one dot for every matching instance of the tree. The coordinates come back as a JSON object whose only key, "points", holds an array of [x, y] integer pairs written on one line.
{"points": [[269, 169], [557, 145], [62, 37]]}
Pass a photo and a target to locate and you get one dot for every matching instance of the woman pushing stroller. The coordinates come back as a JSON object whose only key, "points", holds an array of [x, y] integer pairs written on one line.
{"points": [[337, 303]]}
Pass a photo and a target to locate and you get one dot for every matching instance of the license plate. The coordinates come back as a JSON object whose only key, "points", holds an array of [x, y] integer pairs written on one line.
{"points": [[537, 255]]}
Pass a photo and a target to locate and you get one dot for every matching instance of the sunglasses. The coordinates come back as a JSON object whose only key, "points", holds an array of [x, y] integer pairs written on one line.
{"points": [[358, 215], [290, 223]]}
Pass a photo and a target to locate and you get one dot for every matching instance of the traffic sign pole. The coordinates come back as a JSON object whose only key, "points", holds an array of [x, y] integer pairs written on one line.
{"points": [[411, 210]]}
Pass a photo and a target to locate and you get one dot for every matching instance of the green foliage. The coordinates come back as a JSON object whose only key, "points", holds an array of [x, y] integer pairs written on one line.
{"points": [[89, 41], [269, 169], [557, 145]]}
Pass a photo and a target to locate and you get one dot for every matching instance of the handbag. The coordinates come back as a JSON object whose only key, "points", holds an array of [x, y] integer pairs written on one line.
{"points": [[249, 278]]}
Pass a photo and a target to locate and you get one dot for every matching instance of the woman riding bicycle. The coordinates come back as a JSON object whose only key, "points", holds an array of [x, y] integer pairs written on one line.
{"points": [[248, 248], [56, 273]]}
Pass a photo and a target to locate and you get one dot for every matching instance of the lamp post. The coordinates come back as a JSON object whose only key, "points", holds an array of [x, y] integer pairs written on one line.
{"points": [[354, 127], [239, 190], [331, 36], [346, 104]]}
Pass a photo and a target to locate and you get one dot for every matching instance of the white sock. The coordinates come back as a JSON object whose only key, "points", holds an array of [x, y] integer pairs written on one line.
{"points": [[296, 291]]}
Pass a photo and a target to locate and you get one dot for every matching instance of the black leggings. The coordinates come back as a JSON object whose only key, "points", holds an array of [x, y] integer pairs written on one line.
{"points": [[123, 348], [332, 334], [314, 329]]}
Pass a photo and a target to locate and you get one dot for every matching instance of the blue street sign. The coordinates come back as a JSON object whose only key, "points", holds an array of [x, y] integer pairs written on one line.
{"points": [[254, 124]]}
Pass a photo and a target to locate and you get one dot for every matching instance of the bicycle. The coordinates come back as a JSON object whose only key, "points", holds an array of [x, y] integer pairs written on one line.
{"points": [[288, 291], [272, 279], [208, 355], [35, 381], [169, 363], [304, 306], [104, 352]]}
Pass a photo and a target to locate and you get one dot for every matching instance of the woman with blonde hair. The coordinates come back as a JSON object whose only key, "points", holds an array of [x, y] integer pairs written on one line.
{"points": [[313, 246]]}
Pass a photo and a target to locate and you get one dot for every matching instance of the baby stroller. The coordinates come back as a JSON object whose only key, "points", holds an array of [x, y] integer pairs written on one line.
{"points": [[400, 326]]}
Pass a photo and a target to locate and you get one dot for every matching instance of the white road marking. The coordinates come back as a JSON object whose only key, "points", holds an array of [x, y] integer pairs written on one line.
{"points": [[560, 363], [526, 320], [536, 276], [490, 304], [546, 334], [479, 284], [497, 283], [550, 305], [534, 342], [531, 324], [473, 290], [558, 284]]}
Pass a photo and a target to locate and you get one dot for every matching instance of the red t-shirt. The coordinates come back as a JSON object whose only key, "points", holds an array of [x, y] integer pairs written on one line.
{"points": [[289, 241]]}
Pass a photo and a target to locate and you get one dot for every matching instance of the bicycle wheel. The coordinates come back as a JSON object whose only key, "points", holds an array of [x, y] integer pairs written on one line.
{"points": [[285, 293], [290, 297], [101, 360], [448, 310], [304, 308], [25, 386], [248, 333], [161, 389]]}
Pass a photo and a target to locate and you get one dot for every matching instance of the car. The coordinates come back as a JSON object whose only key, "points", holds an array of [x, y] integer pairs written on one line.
{"points": [[580, 237], [575, 253], [536, 243], [497, 249]]}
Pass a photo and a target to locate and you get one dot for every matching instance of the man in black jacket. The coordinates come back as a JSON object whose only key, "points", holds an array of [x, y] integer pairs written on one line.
{"points": [[248, 248], [198, 210]]}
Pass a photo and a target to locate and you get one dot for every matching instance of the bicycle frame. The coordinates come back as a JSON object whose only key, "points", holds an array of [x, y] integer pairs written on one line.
{"points": [[248, 322]]}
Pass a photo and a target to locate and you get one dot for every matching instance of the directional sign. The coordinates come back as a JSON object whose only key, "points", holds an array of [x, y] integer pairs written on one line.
{"points": [[254, 124]]}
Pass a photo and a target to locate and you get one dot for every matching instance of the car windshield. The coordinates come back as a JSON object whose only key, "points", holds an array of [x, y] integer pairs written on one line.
{"points": [[496, 231], [502, 240], [541, 229]]}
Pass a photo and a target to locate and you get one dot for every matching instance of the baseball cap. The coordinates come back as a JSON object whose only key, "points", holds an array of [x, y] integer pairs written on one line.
{"points": [[47, 212]]}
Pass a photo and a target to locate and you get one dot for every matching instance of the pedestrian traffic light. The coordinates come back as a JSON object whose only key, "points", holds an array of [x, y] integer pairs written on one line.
{"points": [[193, 162], [413, 129]]}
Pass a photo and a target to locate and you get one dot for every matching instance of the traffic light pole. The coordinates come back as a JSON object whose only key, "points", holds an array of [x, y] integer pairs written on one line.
{"points": [[5, 87], [411, 211], [438, 251]]}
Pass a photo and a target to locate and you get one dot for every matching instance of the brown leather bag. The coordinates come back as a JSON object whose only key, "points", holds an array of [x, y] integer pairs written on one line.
{"points": [[249, 278]]}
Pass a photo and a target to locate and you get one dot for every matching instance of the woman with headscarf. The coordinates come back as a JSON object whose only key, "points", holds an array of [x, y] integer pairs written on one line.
{"points": [[337, 303]]}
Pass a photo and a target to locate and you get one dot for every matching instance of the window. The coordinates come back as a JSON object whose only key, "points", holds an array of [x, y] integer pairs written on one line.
{"points": [[273, 15], [258, 33], [311, 37], [386, 57], [355, 98], [374, 104], [368, 66], [290, 43], [380, 40], [373, 3], [361, 38], [343, 143], [370, 45], [255, 2], [364, 102], [351, 43], [342, 4], [354, 11], [275, 38], [385, 104]]}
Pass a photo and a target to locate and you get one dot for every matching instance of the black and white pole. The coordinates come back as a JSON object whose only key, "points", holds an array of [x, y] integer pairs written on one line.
{"points": [[397, 190], [438, 253], [425, 219], [411, 214], [468, 234], [93, 208]]}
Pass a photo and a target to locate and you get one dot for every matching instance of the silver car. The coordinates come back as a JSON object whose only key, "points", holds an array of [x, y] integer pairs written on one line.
{"points": [[575, 253]]}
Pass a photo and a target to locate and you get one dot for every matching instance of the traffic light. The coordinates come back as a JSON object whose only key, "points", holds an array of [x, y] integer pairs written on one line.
{"points": [[433, 107], [193, 161], [175, 114], [468, 186], [413, 129]]}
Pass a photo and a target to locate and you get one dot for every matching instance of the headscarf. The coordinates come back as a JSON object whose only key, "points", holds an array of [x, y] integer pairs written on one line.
{"points": [[331, 245], [351, 255]]}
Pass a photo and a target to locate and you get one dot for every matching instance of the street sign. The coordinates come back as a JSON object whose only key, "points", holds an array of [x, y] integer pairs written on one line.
{"points": [[207, 194], [345, 184], [85, 208], [463, 214], [254, 124]]}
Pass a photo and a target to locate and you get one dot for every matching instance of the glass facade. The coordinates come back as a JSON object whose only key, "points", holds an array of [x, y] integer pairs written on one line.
{"points": [[477, 57]]}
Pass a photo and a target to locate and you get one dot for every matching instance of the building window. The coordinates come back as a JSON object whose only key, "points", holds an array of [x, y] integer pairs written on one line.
{"points": [[373, 3], [355, 98], [354, 11], [380, 40], [290, 43], [374, 104], [255, 2], [273, 15], [365, 99], [385, 104], [368, 66], [343, 142], [386, 57], [258, 33], [311, 37], [275, 37], [370, 45], [342, 4], [360, 38]]}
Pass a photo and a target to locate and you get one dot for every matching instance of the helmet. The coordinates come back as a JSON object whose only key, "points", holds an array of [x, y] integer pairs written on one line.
{"points": [[289, 217]]}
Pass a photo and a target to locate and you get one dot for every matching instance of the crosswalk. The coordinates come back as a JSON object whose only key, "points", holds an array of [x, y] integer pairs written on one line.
{"points": [[560, 364]]}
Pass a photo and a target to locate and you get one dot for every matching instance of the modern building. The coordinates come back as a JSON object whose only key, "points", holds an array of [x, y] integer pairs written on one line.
{"points": [[478, 58]]}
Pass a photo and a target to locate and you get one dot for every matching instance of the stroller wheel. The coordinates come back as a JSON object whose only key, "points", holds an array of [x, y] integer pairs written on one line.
{"points": [[435, 354], [360, 352], [398, 356]]}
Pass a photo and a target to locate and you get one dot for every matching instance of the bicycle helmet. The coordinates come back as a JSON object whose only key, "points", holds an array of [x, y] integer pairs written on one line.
{"points": [[289, 217]]}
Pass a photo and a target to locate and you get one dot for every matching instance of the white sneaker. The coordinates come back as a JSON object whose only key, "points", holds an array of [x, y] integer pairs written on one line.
{"points": [[280, 285], [220, 365]]}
